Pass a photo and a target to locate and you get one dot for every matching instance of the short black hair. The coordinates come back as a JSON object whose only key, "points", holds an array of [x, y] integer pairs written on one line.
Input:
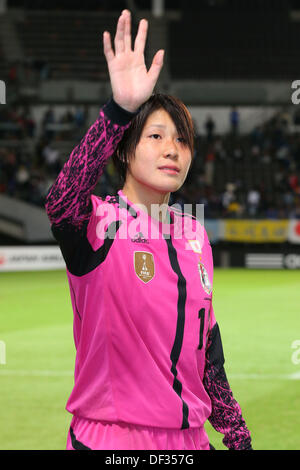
{"points": [[178, 113]]}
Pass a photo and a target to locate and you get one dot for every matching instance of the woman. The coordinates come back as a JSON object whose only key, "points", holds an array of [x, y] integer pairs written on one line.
{"points": [[149, 361]]}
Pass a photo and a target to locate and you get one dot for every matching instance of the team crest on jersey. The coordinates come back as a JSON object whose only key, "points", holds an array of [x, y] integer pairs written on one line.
{"points": [[204, 278], [195, 246], [144, 265]]}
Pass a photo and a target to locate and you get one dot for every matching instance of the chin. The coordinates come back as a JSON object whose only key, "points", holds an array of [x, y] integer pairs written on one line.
{"points": [[167, 188], [163, 187]]}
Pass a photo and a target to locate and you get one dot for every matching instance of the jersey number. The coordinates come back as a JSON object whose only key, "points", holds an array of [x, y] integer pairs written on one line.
{"points": [[201, 316]]}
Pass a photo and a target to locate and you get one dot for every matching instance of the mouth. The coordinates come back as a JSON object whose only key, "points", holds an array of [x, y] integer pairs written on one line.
{"points": [[171, 170]]}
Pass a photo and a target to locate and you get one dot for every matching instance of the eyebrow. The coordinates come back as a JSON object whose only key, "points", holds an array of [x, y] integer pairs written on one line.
{"points": [[156, 125]]}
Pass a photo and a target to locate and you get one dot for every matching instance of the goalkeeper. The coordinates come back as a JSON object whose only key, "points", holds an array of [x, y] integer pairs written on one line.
{"points": [[149, 368]]}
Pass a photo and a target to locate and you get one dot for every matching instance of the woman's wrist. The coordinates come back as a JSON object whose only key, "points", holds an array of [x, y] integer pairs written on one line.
{"points": [[117, 114], [130, 108]]}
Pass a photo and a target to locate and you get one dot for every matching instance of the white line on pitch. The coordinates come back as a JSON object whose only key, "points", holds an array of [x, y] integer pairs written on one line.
{"points": [[295, 376], [37, 373]]}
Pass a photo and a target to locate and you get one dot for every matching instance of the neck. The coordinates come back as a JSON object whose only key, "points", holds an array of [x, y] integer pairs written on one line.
{"points": [[141, 194]]}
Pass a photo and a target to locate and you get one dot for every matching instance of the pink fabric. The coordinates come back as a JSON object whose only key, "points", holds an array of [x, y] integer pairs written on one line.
{"points": [[112, 436], [137, 355]]}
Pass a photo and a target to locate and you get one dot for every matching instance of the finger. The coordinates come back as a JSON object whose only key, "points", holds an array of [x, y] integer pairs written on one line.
{"points": [[119, 37], [127, 32], [107, 49], [140, 40], [156, 66]]}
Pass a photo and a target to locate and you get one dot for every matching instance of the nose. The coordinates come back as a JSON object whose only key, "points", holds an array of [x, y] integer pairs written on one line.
{"points": [[170, 150]]}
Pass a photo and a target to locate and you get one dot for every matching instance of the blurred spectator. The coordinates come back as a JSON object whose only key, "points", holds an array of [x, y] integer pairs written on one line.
{"points": [[67, 121], [22, 178], [67, 117], [22, 175], [10, 167], [271, 213], [285, 120], [213, 207], [255, 152], [266, 158], [235, 209], [279, 181], [42, 68], [80, 117], [209, 127], [296, 152], [296, 117], [293, 181], [228, 197], [234, 119], [253, 201], [277, 132], [295, 213], [283, 155], [257, 136], [51, 157], [28, 123], [238, 153], [288, 199], [209, 166], [48, 118], [12, 73], [219, 149]]}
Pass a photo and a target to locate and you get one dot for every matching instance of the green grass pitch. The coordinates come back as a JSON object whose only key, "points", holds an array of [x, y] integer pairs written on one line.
{"points": [[259, 316]]}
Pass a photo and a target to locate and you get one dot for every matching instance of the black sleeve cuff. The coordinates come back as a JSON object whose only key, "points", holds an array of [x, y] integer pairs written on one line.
{"points": [[116, 114]]}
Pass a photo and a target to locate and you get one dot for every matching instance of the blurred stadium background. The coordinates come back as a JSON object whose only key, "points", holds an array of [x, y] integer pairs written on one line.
{"points": [[233, 62]]}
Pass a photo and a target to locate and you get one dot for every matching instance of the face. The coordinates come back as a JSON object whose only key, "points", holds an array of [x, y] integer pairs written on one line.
{"points": [[162, 158]]}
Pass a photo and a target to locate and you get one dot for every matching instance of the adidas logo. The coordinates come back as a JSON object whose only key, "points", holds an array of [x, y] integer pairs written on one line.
{"points": [[139, 238]]}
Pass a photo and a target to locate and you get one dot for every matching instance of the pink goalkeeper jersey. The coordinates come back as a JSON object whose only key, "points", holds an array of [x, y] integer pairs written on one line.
{"points": [[148, 348]]}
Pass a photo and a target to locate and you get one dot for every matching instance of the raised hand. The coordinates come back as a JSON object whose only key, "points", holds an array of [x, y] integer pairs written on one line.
{"points": [[132, 84]]}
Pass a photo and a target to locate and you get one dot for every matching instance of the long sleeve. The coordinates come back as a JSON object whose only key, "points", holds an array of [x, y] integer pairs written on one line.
{"points": [[68, 202], [226, 416]]}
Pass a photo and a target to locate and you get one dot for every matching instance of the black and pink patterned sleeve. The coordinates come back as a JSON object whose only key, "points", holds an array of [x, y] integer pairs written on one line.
{"points": [[68, 202], [226, 416]]}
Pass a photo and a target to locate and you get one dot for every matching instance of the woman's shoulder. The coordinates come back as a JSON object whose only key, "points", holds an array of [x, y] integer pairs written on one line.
{"points": [[110, 199]]}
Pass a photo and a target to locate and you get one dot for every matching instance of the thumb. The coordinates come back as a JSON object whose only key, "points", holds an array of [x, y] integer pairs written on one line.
{"points": [[156, 66]]}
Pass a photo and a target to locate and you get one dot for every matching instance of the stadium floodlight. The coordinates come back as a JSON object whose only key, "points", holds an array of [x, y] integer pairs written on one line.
{"points": [[2, 92]]}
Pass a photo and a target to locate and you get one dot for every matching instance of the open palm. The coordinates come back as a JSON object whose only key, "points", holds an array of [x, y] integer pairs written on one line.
{"points": [[132, 84]]}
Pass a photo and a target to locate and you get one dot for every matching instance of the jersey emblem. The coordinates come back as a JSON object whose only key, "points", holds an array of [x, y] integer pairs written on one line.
{"points": [[195, 246], [144, 265], [204, 278]]}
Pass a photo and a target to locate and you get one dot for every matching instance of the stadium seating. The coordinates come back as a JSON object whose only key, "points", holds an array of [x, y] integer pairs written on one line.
{"points": [[3, 66], [238, 40], [70, 44]]}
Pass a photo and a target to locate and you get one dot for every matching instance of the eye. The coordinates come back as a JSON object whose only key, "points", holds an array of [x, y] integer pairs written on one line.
{"points": [[155, 136], [182, 140]]}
